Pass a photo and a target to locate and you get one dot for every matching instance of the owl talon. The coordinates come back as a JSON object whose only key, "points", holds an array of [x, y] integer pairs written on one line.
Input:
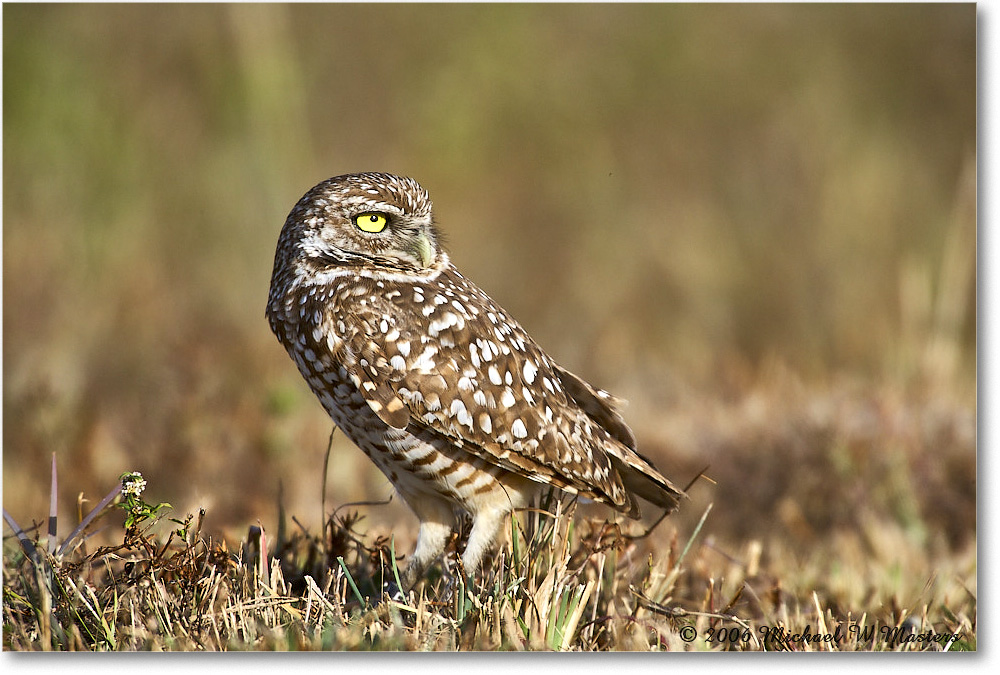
{"points": [[393, 592]]}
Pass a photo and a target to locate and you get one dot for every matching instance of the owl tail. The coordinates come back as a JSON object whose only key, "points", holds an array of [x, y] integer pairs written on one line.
{"points": [[648, 483]]}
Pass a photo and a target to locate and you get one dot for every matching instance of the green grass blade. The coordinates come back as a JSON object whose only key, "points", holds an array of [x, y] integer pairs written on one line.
{"points": [[350, 580]]}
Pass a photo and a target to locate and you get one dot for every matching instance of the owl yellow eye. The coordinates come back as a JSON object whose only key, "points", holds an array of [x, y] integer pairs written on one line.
{"points": [[371, 222]]}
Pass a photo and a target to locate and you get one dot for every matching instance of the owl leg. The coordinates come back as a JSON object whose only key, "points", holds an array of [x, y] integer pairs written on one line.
{"points": [[436, 523], [485, 529]]}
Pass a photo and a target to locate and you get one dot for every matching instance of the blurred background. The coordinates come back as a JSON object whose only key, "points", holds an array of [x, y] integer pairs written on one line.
{"points": [[756, 223]]}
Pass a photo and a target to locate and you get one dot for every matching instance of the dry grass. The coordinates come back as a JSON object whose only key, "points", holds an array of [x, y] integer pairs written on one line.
{"points": [[567, 587]]}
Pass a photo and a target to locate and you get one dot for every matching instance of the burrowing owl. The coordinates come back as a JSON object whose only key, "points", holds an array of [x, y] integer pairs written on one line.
{"points": [[435, 382]]}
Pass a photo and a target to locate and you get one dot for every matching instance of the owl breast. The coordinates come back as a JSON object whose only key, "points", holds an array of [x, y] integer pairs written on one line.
{"points": [[420, 462]]}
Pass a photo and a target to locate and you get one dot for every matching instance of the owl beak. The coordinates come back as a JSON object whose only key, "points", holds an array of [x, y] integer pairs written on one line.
{"points": [[423, 249]]}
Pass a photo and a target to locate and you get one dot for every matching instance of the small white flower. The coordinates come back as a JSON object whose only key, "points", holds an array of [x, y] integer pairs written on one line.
{"points": [[134, 484]]}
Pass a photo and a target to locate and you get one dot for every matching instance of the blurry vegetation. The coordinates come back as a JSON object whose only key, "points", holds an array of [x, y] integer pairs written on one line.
{"points": [[756, 223]]}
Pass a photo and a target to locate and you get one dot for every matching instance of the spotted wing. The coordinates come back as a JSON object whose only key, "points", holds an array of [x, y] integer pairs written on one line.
{"points": [[457, 363]]}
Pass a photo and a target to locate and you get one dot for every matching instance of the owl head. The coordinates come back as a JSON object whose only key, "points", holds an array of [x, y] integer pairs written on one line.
{"points": [[364, 220]]}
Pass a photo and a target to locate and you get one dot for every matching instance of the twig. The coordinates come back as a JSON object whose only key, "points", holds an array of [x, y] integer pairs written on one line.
{"points": [[322, 487], [50, 545], [649, 531], [26, 545], [110, 497]]}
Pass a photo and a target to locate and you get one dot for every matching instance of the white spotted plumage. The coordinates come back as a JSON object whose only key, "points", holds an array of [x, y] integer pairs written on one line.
{"points": [[436, 383]]}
